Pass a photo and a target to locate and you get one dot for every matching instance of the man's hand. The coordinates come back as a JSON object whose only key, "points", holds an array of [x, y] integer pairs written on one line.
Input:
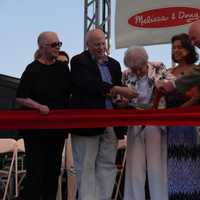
{"points": [[43, 109], [124, 92], [30, 103], [126, 73], [120, 102]]}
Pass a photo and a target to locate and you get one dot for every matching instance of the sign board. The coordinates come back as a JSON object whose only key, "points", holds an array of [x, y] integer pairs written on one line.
{"points": [[148, 22]]}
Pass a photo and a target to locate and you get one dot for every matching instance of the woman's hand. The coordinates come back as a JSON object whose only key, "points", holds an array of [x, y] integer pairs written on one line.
{"points": [[165, 86]]}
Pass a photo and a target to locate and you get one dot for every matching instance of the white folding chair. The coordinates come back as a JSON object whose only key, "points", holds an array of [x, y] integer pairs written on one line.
{"points": [[71, 173], [67, 166], [19, 173], [120, 169], [8, 146]]}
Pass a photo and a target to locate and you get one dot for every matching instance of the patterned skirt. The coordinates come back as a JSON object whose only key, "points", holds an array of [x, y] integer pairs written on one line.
{"points": [[183, 163]]}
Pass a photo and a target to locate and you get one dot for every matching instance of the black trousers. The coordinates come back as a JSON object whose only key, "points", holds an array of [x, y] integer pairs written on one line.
{"points": [[43, 163]]}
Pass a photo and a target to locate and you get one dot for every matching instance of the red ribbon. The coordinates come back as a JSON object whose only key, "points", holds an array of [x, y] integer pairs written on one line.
{"points": [[93, 118]]}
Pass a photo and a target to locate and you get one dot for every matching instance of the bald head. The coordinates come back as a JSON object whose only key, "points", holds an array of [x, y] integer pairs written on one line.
{"points": [[96, 43], [194, 33], [94, 34], [49, 45], [45, 37]]}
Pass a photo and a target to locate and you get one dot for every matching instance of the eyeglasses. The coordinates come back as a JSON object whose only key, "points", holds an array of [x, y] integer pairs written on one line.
{"points": [[55, 45]]}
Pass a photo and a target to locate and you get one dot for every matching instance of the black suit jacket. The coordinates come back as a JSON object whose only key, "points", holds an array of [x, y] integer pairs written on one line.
{"points": [[88, 89]]}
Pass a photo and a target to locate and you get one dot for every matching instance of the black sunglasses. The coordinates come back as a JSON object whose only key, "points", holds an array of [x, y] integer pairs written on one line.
{"points": [[55, 44]]}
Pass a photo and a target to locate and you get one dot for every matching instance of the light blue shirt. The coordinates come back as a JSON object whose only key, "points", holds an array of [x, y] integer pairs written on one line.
{"points": [[106, 77]]}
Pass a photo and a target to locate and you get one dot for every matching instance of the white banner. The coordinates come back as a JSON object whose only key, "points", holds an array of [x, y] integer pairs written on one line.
{"points": [[147, 22]]}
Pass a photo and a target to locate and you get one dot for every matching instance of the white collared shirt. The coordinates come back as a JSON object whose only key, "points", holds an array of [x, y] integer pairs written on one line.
{"points": [[144, 87]]}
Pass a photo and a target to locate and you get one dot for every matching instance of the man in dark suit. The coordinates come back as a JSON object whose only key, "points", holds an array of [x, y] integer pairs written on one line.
{"points": [[96, 78]]}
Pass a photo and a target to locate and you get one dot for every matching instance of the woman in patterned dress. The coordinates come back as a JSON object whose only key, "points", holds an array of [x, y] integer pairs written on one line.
{"points": [[183, 151]]}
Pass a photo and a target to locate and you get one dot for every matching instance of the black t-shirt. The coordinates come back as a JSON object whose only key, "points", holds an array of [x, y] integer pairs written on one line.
{"points": [[46, 84]]}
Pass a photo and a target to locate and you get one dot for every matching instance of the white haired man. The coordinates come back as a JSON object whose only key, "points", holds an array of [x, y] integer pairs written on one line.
{"points": [[146, 148]]}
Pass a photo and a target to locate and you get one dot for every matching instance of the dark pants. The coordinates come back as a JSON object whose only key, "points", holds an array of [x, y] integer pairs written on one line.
{"points": [[43, 163]]}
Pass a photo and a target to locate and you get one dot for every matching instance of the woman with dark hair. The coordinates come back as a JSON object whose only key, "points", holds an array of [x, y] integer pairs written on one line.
{"points": [[63, 57], [183, 41], [183, 150]]}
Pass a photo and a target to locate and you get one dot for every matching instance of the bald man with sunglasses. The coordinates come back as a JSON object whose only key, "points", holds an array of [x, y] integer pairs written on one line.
{"points": [[44, 85]]}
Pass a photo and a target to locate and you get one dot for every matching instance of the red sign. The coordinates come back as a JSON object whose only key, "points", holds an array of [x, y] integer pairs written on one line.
{"points": [[165, 17]]}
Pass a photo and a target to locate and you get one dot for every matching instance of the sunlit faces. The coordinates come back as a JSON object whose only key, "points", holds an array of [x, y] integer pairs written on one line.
{"points": [[52, 45], [194, 33], [55, 44], [179, 53], [195, 37], [97, 44]]}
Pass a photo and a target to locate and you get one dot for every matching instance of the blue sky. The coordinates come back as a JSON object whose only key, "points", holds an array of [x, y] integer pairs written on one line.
{"points": [[22, 20]]}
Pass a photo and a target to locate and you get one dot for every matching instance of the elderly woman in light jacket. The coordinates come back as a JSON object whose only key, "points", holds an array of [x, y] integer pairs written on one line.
{"points": [[146, 147]]}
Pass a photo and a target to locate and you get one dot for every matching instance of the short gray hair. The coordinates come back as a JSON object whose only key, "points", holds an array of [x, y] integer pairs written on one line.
{"points": [[135, 56]]}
